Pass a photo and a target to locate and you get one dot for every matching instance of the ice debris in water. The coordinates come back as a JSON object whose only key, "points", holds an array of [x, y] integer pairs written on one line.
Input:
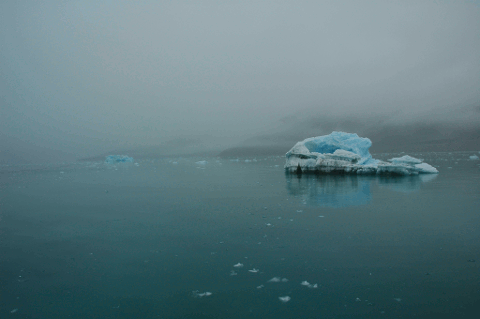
{"points": [[201, 162], [278, 279], [113, 159], [254, 270], [197, 294], [309, 285], [474, 157], [239, 265], [341, 152], [284, 299]]}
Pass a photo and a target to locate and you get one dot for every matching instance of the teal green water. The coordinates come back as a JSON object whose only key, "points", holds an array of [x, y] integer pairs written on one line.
{"points": [[88, 240]]}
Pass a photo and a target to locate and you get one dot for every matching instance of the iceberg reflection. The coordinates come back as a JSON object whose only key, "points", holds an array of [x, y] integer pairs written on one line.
{"points": [[339, 191], [405, 184], [330, 190]]}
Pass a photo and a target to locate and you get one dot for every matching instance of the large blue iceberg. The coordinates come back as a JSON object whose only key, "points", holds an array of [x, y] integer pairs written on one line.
{"points": [[341, 152]]}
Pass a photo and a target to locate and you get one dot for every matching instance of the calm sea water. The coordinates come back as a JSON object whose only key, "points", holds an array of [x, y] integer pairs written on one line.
{"points": [[88, 240]]}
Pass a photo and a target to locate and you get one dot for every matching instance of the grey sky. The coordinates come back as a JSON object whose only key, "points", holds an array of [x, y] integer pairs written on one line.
{"points": [[89, 76]]}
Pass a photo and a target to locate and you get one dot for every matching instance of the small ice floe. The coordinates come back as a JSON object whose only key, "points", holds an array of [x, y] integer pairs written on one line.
{"points": [[397, 299], [268, 224], [201, 163], [309, 285], [300, 211], [358, 299], [278, 279], [14, 310], [233, 273], [254, 270], [260, 287], [474, 158], [284, 279], [197, 294], [284, 299], [239, 265], [321, 216]]}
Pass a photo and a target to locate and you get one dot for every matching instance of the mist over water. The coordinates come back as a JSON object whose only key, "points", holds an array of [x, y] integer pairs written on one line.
{"points": [[84, 79]]}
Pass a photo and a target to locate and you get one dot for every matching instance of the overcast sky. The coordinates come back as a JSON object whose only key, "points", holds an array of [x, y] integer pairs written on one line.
{"points": [[86, 76]]}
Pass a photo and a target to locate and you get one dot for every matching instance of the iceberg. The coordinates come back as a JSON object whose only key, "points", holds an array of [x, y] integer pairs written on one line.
{"points": [[347, 153], [114, 159]]}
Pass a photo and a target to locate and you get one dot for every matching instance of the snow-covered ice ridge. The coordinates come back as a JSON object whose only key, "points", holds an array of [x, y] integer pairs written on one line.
{"points": [[347, 153]]}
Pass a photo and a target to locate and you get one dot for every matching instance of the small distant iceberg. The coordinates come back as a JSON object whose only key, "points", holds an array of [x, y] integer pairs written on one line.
{"points": [[347, 153], [114, 159]]}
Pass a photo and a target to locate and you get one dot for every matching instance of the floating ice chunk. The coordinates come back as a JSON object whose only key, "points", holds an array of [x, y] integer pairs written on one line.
{"points": [[342, 153], [358, 299], [14, 310], [197, 294], [284, 299], [233, 273], [201, 163], [260, 287], [284, 279], [254, 270], [474, 157], [397, 299], [114, 159], [239, 265], [275, 279], [309, 285]]}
